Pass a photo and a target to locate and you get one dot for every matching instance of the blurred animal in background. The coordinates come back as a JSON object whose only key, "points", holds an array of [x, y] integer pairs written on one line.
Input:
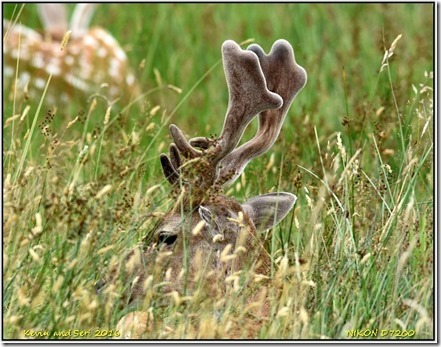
{"points": [[81, 61]]}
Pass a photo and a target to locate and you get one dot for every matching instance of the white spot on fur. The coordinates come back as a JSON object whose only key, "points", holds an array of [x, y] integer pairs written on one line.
{"points": [[14, 53], [38, 61], [25, 77], [77, 82], [90, 41], [114, 64], [120, 55], [39, 83], [53, 69], [130, 79], [24, 53], [25, 31], [108, 39], [85, 72], [113, 73], [102, 52], [74, 50], [83, 62], [69, 60], [8, 71]]}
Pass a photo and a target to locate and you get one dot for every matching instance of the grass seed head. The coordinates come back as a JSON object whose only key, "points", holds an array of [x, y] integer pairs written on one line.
{"points": [[38, 225], [197, 229]]}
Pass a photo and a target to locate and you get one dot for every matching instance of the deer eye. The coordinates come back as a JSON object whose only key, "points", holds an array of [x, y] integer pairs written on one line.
{"points": [[168, 239]]}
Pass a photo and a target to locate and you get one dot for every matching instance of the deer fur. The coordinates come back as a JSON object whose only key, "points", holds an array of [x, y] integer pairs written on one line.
{"points": [[90, 61], [208, 236]]}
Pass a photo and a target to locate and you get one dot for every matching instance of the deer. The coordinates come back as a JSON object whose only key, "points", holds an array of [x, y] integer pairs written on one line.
{"points": [[207, 234], [80, 60]]}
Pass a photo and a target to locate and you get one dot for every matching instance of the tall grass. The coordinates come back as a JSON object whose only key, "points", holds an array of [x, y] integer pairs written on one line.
{"points": [[357, 149]]}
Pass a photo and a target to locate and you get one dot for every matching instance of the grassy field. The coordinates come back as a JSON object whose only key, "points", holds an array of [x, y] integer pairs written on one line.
{"points": [[356, 148]]}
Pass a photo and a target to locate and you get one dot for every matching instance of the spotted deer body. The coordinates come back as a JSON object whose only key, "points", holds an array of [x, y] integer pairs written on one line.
{"points": [[208, 236], [87, 61]]}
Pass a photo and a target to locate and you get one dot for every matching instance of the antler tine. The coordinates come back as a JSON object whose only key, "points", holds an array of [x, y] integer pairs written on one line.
{"points": [[175, 156], [169, 171], [171, 166], [284, 77], [248, 95], [182, 144]]}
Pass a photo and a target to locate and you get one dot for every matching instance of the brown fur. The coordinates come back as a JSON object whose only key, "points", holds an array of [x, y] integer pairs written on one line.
{"points": [[78, 69], [207, 246]]}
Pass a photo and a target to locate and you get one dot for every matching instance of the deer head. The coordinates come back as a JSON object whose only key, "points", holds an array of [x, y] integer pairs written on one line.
{"points": [[91, 61], [206, 229]]}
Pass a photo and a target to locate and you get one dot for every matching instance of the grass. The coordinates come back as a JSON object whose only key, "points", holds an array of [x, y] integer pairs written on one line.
{"points": [[357, 150]]}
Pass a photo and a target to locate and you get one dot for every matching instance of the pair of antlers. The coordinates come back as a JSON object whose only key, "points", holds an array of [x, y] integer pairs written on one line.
{"points": [[258, 84]]}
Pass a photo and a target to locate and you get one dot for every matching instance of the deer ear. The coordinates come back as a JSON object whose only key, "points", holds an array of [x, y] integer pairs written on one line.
{"points": [[268, 210], [81, 18], [205, 214], [53, 17]]}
